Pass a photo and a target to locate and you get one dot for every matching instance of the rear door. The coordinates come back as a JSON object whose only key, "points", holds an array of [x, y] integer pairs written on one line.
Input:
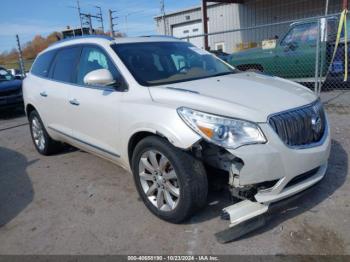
{"points": [[94, 110], [54, 92]]}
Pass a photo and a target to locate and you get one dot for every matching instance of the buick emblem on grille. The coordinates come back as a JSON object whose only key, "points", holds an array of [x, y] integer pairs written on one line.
{"points": [[316, 123]]}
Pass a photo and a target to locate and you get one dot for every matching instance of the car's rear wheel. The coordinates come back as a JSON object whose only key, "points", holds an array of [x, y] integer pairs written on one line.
{"points": [[171, 182], [43, 143]]}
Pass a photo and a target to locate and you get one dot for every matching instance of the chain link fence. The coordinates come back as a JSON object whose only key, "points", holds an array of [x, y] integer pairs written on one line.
{"points": [[299, 50]]}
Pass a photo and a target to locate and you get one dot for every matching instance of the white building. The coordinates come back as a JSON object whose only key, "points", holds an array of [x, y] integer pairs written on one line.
{"points": [[250, 13]]}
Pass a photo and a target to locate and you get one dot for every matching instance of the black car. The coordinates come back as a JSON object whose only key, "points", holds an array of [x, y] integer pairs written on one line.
{"points": [[10, 90]]}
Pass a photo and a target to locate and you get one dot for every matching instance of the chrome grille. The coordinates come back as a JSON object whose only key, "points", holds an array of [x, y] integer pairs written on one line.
{"points": [[302, 126]]}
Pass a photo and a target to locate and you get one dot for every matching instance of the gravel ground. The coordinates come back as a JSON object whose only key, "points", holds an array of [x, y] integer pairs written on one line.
{"points": [[76, 203]]}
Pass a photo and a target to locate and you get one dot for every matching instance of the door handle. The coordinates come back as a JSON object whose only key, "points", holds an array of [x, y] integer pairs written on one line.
{"points": [[74, 102], [43, 94]]}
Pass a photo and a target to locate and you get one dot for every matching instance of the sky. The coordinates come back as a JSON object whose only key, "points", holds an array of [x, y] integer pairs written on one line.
{"points": [[28, 18]]}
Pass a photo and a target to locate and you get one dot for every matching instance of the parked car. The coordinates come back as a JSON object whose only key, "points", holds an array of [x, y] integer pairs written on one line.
{"points": [[294, 55], [10, 90], [166, 110], [16, 73], [220, 54]]}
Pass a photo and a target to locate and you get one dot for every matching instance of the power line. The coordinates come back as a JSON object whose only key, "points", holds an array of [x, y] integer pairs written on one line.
{"points": [[126, 19], [86, 18]]}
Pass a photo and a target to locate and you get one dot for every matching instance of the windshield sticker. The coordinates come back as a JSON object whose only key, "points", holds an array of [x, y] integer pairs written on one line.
{"points": [[199, 50]]}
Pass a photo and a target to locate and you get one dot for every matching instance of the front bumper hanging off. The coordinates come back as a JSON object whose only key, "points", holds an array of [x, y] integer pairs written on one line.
{"points": [[287, 171]]}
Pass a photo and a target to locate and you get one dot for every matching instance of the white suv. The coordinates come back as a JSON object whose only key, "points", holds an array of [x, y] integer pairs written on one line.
{"points": [[170, 112]]}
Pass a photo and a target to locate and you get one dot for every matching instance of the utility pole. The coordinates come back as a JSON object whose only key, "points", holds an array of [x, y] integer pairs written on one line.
{"points": [[345, 4], [80, 16], [89, 17], [80, 19], [111, 22], [20, 56], [162, 11], [205, 23], [326, 9], [100, 17], [90, 24]]}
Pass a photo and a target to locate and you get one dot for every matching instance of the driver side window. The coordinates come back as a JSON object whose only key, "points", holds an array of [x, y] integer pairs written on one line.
{"points": [[301, 34], [93, 58]]}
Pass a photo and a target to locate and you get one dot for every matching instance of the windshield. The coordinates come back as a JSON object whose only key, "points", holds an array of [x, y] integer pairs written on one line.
{"points": [[5, 76], [158, 63]]}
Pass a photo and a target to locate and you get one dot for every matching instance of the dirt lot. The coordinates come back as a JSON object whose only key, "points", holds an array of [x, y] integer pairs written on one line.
{"points": [[76, 203]]}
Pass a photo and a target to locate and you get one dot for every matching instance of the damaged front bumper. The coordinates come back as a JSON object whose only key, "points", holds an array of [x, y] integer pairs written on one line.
{"points": [[264, 174]]}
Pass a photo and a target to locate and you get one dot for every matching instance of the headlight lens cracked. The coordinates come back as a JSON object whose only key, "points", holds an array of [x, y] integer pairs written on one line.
{"points": [[226, 132]]}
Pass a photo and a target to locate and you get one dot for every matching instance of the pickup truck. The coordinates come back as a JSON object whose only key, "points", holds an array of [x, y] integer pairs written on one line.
{"points": [[293, 56]]}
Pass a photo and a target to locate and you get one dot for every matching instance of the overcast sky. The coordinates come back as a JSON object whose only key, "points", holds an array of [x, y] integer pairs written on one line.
{"points": [[31, 17]]}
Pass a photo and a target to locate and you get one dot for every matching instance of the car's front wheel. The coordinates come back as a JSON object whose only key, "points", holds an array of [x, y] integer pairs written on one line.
{"points": [[171, 182]]}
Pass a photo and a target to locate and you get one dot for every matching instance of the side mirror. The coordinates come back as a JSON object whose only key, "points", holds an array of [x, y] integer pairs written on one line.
{"points": [[100, 77], [292, 46]]}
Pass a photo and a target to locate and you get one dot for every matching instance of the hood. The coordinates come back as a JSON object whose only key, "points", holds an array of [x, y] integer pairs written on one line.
{"points": [[247, 51], [247, 96], [10, 85]]}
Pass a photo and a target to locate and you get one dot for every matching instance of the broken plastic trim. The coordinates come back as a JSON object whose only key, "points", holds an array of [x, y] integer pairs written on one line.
{"points": [[245, 216]]}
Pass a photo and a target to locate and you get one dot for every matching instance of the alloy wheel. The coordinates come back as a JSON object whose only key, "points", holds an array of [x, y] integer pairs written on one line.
{"points": [[38, 134], [159, 180]]}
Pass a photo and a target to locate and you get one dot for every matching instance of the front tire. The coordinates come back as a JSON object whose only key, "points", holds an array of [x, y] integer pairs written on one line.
{"points": [[43, 143], [172, 183]]}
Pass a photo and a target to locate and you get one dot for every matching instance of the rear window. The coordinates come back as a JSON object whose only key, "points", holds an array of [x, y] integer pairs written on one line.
{"points": [[41, 65], [64, 66]]}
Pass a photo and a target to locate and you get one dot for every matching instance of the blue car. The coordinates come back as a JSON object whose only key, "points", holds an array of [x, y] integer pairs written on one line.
{"points": [[10, 90]]}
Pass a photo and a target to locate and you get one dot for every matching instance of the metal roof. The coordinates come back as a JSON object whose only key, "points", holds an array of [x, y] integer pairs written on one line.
{"points": [[198, 7]]}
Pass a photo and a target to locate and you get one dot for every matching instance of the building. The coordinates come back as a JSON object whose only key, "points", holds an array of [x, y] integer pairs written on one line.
{"points": [[73, 32], [249, 17]]}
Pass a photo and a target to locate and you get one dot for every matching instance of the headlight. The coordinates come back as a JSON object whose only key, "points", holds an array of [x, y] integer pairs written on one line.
{"points": [[222, 131]]}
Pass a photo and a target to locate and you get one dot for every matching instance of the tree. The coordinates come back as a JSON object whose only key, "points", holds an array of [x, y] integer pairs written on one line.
{"points": [[30, 49]]}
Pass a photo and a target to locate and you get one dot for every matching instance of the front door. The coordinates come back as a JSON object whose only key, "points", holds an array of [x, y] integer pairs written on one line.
{"points": [[94, 109], [296, 54]]}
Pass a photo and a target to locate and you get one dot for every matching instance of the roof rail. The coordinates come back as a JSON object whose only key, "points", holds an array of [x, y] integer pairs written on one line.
{"points": [[83, 37], [165, 36]]}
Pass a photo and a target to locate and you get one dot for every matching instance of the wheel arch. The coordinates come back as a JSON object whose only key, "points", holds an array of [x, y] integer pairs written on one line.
{"points": [[29, 108], [137, 137]]}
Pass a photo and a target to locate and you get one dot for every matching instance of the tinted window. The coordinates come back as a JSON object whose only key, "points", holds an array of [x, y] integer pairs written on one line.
{"points": [[41, 66], [94, 58], [64, 66]]}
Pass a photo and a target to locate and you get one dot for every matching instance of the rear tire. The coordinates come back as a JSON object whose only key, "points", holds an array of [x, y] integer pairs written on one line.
{"points": [[155, 160], [43, 143]]}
